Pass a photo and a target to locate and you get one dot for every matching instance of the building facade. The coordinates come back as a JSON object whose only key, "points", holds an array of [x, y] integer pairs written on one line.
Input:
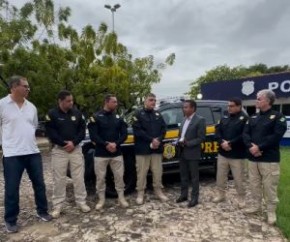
{"points": [[247, 88]]}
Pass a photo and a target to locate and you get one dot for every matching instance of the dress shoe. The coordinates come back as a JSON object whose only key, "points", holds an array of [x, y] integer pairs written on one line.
{"points": [[181, 199], [192, 203]]}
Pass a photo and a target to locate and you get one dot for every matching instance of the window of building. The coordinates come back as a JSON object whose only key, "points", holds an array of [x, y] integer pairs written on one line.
{"points": [[251, 110], [276, 107], [286, 109]]}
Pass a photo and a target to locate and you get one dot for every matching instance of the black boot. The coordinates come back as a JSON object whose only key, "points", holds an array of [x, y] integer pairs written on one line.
{"points": [[182, 198], [193, 202]]}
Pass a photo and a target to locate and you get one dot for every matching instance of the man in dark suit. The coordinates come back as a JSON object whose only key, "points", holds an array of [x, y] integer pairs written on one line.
{"points": [[191, 135]]}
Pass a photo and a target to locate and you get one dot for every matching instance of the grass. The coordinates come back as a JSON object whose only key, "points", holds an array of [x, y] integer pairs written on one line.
{"points": [[283, 209]]}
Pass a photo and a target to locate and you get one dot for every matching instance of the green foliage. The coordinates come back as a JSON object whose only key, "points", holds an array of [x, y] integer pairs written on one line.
{"points": [[55, 56], [226, 73], [283, 209]]}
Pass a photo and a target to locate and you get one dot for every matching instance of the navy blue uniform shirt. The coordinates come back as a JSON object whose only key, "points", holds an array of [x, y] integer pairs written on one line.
{"points": [[265, 129], [107, 127], [61, 126]]}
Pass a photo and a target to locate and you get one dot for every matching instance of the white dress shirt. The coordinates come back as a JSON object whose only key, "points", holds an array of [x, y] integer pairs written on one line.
{"points": [[185, 126], [18, 126]]}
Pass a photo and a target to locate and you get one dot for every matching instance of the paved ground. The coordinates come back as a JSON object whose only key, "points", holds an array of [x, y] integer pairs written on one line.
{"points": [[153, 221]]}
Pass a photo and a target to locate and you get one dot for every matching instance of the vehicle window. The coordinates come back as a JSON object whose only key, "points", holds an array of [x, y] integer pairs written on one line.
{"points": [[206, 113], [218, 113], [172, 116]]}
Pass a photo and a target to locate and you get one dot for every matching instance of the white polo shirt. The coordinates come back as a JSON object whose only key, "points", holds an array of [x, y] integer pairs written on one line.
{"points": [[17, 127]]}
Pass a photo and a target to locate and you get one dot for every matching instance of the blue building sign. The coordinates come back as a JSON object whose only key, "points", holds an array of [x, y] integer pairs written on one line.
{"points": [[247, 88]]}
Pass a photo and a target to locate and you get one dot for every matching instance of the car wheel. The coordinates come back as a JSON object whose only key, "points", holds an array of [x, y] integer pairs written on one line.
{"points": [[90, 176]]}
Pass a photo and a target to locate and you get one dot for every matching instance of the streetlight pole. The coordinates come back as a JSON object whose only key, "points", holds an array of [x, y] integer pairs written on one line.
{"points": [[113, 10]]}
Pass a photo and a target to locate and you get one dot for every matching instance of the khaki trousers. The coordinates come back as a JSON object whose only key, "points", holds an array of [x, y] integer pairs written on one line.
{"points": [[117, 166], [60, 160], [143, 162], [264, 179], [237, 168]]}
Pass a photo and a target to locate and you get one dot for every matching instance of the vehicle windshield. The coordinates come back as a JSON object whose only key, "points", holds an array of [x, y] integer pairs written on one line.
{"points": [[174, 116]]}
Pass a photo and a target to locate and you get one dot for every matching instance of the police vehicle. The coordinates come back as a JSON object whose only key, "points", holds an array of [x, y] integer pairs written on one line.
{"points": [[172, 113]]}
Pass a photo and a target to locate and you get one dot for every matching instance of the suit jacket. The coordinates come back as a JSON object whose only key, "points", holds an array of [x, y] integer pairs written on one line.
{"points": [[194, 136]]}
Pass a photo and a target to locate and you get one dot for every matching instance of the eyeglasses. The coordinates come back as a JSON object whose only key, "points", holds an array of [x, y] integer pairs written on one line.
{"points": [[152, 99], [25, 86]]}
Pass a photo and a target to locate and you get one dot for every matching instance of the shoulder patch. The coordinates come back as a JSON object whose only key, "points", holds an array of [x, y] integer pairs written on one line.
{"points": [[282, 119], [272, 116], [47, 118]]}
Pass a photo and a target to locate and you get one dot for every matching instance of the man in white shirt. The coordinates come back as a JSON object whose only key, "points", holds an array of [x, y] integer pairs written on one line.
{"points": [[18, 122]]}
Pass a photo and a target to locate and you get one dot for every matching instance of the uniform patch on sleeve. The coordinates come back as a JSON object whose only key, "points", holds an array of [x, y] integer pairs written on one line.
{"points": [[47, 117], [92, 119], [272, 116], [282, 119]]}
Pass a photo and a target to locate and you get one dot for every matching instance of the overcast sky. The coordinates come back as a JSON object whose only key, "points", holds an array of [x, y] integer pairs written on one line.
{"points": [[202, 33]]}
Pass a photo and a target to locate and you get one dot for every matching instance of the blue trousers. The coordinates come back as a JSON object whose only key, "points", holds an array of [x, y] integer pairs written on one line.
{"points": [[13, 169]]}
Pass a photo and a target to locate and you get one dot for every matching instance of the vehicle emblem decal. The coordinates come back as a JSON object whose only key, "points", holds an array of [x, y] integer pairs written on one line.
{"points": [[169, 151]]}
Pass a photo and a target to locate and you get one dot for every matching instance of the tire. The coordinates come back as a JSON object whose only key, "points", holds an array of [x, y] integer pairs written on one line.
{"points": [[90, 176]]}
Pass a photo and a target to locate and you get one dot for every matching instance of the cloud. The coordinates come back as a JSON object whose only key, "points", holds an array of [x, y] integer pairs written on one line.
{"points": [[203, 34]]}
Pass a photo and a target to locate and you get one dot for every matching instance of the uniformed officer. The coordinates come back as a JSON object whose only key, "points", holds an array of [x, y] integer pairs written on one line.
{"points": [[262, 136], [149, 130], [232, 150], [66, 128], [108, 131]]}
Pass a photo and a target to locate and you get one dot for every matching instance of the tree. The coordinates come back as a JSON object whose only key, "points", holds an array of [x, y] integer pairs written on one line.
{"points": [[39, 43], [225, 73]]}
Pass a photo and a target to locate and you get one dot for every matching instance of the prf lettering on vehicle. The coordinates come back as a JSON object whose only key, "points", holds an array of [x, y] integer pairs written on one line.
{"points": [[210, 147]]}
